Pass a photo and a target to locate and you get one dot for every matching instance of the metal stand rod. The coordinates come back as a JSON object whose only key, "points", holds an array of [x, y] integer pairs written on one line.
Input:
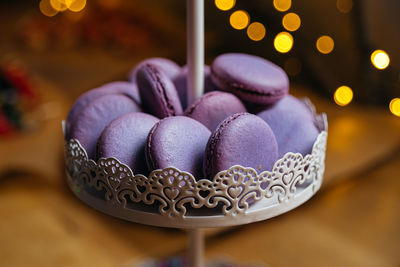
{"points": [[195, 48], [196, 248]]}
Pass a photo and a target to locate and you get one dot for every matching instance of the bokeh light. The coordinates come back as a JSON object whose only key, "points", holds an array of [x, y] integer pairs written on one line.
{"points": [[343, 95], [283, 42], [292, 66], [344, 6], [256, 31], [58, 5], [47, 9], [291, 22], [394, 106], [380, 59], [239, 19], [77, 5], [282, 5], [225, 5], [325, 44]]}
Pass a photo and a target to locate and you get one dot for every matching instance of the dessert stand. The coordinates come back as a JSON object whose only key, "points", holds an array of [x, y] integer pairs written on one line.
{"points": [[174, 198]]}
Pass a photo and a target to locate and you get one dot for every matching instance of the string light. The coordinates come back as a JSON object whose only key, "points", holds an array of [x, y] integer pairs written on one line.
{"points": [[239, 19], [394, 106], [47, 9], [225, 5], [325, 44], [380, 59], [343, 95], [256, 31], [344, 6], [282, 5], [291, 22], [283, 42]]}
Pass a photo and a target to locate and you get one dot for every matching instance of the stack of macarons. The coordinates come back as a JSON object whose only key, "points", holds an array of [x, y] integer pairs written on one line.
{"points": [[246, 117]]}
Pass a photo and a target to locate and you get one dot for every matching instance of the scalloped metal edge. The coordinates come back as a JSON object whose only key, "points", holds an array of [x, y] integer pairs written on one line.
{"points": [[238, 193]]}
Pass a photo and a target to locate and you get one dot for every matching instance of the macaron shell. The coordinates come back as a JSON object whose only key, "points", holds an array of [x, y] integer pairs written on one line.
{"points": [[158, 93], [178, 142], [125, 139], [241, 139], [212, 108], [169, 67], [294, 128], [93, 118], [288, 102], [180, 83], [251, 78], [120, 87]]}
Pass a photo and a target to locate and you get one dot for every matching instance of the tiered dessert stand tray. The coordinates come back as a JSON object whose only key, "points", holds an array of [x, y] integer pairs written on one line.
{"points": [[173, 198]]}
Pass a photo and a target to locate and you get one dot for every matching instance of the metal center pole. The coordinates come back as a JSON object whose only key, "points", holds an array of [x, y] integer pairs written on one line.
{"points": [[196, 247], [195, 48]]}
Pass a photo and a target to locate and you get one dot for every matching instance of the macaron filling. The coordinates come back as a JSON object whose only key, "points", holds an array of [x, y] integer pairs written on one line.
{"points": [[161, 89]]}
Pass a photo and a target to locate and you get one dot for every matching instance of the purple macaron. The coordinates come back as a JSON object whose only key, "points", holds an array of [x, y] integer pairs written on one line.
{"points": [[212, 108], [158, 93], [169, 67], [120, 87], [181, 79], [94, 117], [251, 78], [293, 124], [125, 139], [178, 142], [241, 139]]}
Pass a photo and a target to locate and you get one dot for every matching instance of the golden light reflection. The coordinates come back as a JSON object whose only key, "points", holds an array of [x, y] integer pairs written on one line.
{"points": [[291, 22], [343, 130], [225, 5], [283, 42], [77, 5], [58, 5], [343, 95], [325, 44], [394, 106], [239, 19], [282, 5], [256, 31], [292, 66], [47, 9], [380, 59], [344, 6]]}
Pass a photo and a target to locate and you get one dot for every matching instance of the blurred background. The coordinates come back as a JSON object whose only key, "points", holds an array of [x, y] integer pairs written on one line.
{"points": [[342, 54]]}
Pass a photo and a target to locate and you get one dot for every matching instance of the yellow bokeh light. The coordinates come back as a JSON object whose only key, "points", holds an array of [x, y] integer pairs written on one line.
{"points": [[58, 5], [344, 6], [77, 5], [239, 19], [225, 5], [256, 31], [343, 95], [395, 106], [282, 5], [47, 9], [325, 44], [380, 59], [283, 42], [291, 22]]}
